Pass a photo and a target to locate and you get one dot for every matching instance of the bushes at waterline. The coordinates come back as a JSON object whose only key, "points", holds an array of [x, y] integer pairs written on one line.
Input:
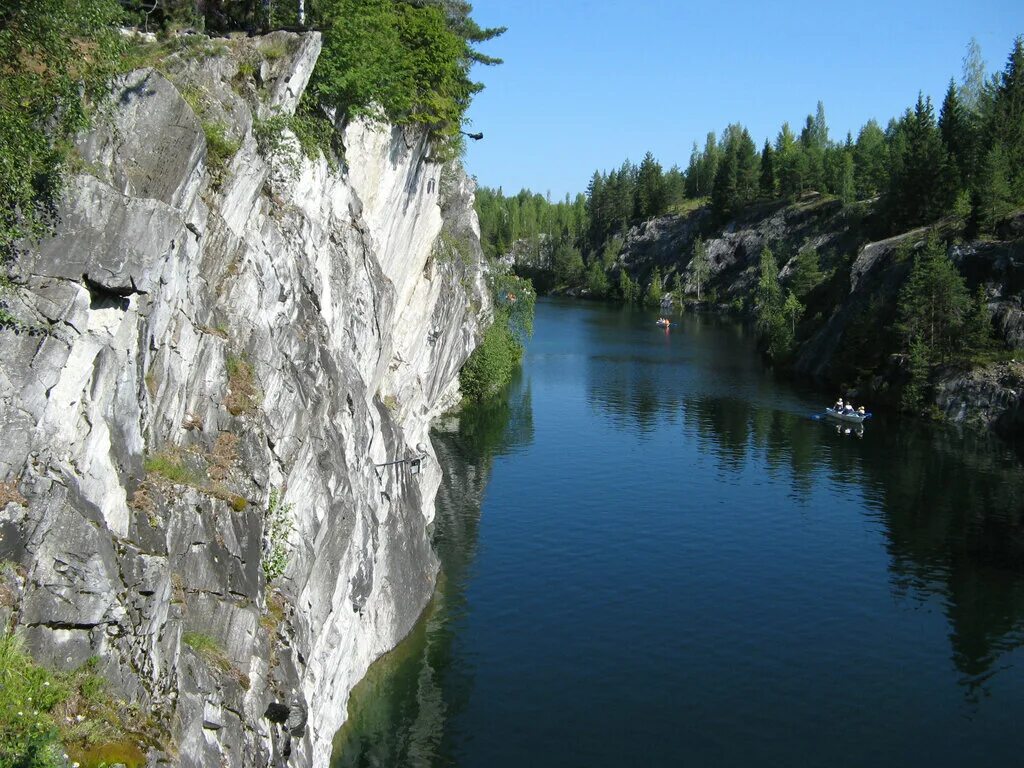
{"points": [[492, 364]]}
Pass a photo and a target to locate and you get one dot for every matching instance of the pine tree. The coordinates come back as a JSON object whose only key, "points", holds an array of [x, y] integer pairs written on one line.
{"points": [[847, 184], [993, 196], [747, 169], [628, 289], [789, 163], [957, 131], [650, 189], [725, 192], [678, 292], [978, 326], [1007, 122], [769, 309], [934, 304]]}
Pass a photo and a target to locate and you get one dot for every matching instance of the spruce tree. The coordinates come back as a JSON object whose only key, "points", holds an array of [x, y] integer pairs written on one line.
{"points": [[806, 273], [747, 169], [655, 290], [934, 304], [993, 196], [1007, 122], [725, 192], [957, 131], [767, 180], [871, 160], [921, 185]]}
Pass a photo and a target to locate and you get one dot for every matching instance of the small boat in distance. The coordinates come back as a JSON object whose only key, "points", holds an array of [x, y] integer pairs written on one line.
{"points": [[849, 416], [663, 322]]}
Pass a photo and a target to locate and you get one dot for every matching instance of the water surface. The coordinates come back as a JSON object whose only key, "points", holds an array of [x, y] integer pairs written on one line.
{"points": [[654, 556]]}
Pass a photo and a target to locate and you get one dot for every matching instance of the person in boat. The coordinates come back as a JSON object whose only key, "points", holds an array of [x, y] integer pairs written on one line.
{"points": [[848, 408], [838, 407], [861, 411]]}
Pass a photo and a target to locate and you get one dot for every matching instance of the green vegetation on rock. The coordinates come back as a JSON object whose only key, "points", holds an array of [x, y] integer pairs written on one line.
{"points": [[56, 57], [46, 717]]}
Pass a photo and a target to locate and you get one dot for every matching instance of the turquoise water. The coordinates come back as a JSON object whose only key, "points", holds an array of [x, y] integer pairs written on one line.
{"points": [[654, 556]]}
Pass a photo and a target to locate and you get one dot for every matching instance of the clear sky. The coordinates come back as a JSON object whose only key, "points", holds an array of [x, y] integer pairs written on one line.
{"points": [[588, 83]]}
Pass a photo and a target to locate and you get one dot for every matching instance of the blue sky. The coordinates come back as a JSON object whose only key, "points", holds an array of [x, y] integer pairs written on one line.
{"points": [[587, 83]]}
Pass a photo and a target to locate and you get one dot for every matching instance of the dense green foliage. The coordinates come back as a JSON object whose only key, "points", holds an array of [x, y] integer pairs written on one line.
{"points": [[939, 320], [493, 362], [55, 58], [405, 61]]}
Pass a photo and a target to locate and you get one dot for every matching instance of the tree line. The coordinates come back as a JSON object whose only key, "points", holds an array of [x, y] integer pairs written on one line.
{"points": [[967, 162]]}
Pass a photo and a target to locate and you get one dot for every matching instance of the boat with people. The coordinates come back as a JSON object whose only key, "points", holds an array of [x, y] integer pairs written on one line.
{"points": [[852, 417], [663, 322], [846, 412]]}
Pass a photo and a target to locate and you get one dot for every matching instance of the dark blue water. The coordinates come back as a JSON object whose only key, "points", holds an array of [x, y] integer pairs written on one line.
{"points": [[654, 556]]}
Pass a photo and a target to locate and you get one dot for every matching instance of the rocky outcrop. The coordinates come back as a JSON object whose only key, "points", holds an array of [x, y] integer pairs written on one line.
{"points": [[216, 337], [991, 396]]}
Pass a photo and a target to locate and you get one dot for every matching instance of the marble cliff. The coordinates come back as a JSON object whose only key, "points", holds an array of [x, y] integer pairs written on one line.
{"points": [[214, 351]]}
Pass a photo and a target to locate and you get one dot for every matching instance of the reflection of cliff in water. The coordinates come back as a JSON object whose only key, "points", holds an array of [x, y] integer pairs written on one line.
{"points": [[397, 713], [952, 506]]}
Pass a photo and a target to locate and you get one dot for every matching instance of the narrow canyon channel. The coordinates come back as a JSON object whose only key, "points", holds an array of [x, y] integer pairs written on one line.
{"points": [[653, 555]]}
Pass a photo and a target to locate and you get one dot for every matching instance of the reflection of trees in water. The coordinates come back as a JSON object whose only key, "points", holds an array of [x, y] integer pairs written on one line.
{"points": [[730, 429], [954, 513], [638, 395], [397, 713], [953, 508]]}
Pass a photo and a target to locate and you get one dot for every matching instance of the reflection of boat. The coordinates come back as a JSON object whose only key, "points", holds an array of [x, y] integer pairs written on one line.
{"points": [[853, 417], [856, 429]]}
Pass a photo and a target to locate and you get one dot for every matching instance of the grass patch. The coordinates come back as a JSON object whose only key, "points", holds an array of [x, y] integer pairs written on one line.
{"points": [[689, 206], [45, 714], [275, 50], [208, 649], [211, 652], [274, 613], [170, 465], [242, 397], [220, 148]]}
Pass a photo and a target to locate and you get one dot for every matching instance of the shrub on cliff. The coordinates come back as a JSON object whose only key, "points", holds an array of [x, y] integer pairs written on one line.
{"points": [[55, 60], [492, 364], [405, 62]]}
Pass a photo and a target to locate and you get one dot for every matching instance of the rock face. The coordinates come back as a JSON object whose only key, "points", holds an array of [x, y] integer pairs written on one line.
{"points": [[213, 339]]}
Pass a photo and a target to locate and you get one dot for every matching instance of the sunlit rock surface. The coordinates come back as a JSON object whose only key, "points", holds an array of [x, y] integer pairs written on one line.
{"points": [[195, 337]]}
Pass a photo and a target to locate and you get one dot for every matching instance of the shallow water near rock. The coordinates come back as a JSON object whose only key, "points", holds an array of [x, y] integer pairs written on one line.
{"points": [[653, 555]]}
